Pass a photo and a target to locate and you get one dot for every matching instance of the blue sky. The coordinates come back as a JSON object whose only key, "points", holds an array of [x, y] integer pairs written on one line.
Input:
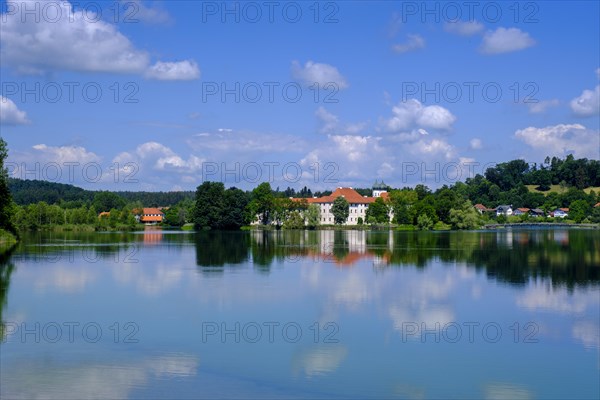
{"points": [[163, 95]]}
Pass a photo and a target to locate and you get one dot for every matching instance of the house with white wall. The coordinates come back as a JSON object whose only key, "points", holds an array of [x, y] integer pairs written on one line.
{"points": [[358, 203]]}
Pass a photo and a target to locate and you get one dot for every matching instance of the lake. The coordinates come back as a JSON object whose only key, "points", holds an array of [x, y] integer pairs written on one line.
{"points": [[507, 314]]}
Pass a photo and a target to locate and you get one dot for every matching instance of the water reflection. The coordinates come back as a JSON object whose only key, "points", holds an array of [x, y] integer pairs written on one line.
{"points": [[370, 284], [84, 380], [567, 257], [318, 360], [6, 270], [502, 391]]}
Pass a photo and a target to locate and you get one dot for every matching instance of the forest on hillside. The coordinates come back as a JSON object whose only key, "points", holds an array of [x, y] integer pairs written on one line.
{"points": [[41, 204]]}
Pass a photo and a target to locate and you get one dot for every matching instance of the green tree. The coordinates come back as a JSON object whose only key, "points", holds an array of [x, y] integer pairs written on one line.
{"points": [[174, 217], [426, 207], [210, 205], [422, 191], [378, 212], [6, 205], [295, 220], [424, 222], [402, 202], [445, 200], [282, 208], [507, 175], [105, 201], [262, 203], [579, 210], [596, 215], [313, 216], [113, 218], [340, 210], [234, 213], [465, 217]]}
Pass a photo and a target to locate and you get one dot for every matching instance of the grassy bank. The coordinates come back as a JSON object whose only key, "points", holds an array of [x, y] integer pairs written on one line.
{"points": [[542, 224], [86, 228], [7, 240]]}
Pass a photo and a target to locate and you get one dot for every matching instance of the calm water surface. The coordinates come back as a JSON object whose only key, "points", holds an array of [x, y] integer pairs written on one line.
{"points": [[500, 315]]}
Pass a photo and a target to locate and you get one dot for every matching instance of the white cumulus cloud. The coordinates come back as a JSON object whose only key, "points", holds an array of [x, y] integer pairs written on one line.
{"points": [[72, 40], [10, 113], [541, 106], [587, 104], [63, 154], [319, 73], [413, 42], [464, 28], [411, 113], [161, 158], [561, 139], [329, 122], [475, 144], [174, 71], [506, 40]]}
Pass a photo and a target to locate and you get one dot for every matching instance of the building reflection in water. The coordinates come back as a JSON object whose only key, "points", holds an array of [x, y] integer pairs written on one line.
{"points": [[152, 235]]}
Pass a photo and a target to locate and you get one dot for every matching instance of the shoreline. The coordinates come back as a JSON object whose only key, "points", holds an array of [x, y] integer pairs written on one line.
{"points": [[7, 241], [540, 224]]}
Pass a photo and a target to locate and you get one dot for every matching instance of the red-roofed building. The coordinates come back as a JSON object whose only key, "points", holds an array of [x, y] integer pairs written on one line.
{"points": [[482, 209], [597, 205], [358, 204], [521, 211], [104, 214], [151, 216]]}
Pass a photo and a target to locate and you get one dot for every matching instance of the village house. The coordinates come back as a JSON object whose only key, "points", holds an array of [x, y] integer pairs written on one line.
{"points": [[150, 216], [537, 212], [504, 210], [482, 209], [560, 213], [521, 211]]}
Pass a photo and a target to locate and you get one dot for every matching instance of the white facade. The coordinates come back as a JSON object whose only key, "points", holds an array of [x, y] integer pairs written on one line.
{"points": [[504, 210], [358, 206], [356, 211]]}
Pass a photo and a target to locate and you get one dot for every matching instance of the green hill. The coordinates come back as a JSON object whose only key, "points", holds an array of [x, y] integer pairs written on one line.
{"points": [[32, 191]]}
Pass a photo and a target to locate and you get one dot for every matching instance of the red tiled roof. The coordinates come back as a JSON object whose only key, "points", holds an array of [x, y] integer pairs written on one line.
{"points": [[151, 218], [152, 215], [152, 211], [564, 209], [351, 195], [481, 207], [597, 205], [523, 209], [104, 214]]}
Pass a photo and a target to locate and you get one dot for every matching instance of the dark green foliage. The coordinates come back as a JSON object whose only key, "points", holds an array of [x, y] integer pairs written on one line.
{"points": [[340, 210], [175, 216], [507, 175], [105, 201], [6, 207], [33, 191], [210, 205], [579, 210], [217, 208], [378, 212], [235, 214], [262, 203], [445, 200]]}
